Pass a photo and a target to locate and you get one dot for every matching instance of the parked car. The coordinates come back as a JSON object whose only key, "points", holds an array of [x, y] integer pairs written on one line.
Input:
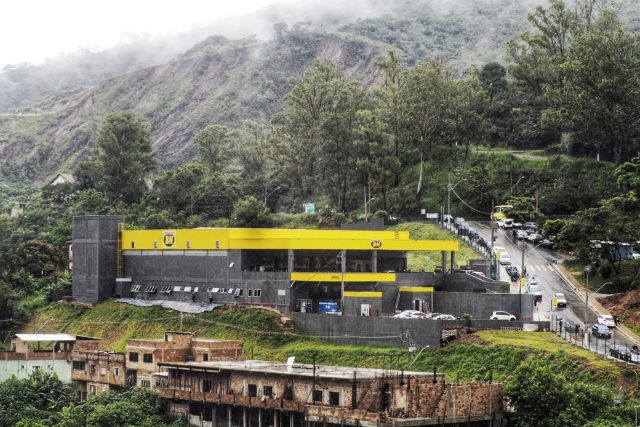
{"points": [[497, 248], [502, 315], [620, 352], [546, 243], [561, 299], [517, 225], [411, 314], [601, 331], [607, 320], [534, 237], [521, 235], [504, 258], [530, 226], [534, 289], [635, 255], [506, 223], [444, 317]]}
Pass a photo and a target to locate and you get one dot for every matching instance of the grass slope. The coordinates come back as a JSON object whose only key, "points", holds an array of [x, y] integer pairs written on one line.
{"points": [[427, 261], [496, 354]]}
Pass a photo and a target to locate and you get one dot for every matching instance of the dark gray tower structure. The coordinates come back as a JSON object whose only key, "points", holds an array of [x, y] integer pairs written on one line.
{"points": [[95, 250]]}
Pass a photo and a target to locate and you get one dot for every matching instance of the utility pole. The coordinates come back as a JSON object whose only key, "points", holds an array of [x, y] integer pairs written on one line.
{"points": [[587, 270], [448, 201], [522, 264], [342, 256], [521, 281], [449, 190], [366, 213], [492, 259]]}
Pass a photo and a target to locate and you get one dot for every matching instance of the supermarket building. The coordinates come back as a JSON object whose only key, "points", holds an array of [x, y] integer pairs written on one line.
{"points": [[312, 271]]}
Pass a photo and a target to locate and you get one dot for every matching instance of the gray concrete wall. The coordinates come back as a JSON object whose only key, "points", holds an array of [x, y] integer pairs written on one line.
{"points": [[480, 306], [493, 324], [202, 270], [352, 305], [95, 240], [463, 282], [380, 331]]}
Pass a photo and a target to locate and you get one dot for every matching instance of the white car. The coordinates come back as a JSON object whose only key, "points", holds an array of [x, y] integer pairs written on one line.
{"points": [[561, 300], [504, 258], [521, 234], [411, 314], [506, 223], [534, 290], [635, 255], [443, 317], [607, 320], [497, 248], [502, 315]]}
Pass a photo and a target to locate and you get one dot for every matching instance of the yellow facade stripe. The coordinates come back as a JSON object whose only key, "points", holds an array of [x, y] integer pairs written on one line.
{"points": [[275, 233], [416, 289], [222, 239], [353, 294], [362, 245], [348, 277]]}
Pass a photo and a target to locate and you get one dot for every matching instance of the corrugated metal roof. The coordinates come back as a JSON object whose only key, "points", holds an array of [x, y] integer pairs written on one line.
{"points": [[46, 337]]}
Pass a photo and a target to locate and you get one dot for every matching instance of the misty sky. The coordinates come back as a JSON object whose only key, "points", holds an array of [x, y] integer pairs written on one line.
{"points": [[32, 30]]}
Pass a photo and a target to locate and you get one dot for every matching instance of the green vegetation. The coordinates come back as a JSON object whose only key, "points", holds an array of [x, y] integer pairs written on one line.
{"points": [[43, 400], [266, 338], [504, 356], [427, 261], [548, 342]]}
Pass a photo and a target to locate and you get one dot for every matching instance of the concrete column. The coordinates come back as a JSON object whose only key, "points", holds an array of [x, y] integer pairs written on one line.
{"points": [[444, 263], [290, 259], [453, 261], [214, 416], [229, 414], [244, 417], [374, 261], [259, 417], [276, 418], [291, 419]]}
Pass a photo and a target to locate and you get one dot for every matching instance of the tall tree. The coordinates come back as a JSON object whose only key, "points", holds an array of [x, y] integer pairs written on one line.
{"points": [[215, 145], [389, 95], [124, 156], [427, 104], [601, 94], [313, 137], [375, 162]]}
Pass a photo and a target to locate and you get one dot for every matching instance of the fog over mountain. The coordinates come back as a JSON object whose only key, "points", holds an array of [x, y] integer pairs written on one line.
{"points": [[182, 83], [23, 84]]}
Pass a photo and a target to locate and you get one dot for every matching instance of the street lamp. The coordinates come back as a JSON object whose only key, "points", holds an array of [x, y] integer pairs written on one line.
{"points": [[516, 184], [449, 190], [266, 196], [586, 300]]}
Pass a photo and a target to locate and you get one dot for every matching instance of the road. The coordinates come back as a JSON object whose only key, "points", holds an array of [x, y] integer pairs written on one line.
{"points": [[540, 263]]}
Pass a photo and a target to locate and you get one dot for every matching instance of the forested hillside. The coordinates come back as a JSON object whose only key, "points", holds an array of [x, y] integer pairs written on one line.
{"points": [[226, 81], [341, 121]]}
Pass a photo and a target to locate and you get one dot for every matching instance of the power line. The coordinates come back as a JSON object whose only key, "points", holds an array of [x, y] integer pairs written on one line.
{"points": [[468, 205]]}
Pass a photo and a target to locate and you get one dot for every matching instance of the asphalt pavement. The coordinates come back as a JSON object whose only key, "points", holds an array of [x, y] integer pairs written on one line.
{"points": [[541, 264]]}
